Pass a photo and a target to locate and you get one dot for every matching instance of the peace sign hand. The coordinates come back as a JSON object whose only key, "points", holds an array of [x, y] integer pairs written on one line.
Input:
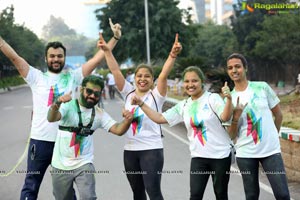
{"points": [[102, 43], [238, 109]]}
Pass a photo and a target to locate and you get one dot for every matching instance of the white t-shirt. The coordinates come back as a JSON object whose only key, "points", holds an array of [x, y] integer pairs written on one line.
{"points": [[143, 134], [258, 136], [111, 79], [208, 139], [70, 150], [46, 87]]}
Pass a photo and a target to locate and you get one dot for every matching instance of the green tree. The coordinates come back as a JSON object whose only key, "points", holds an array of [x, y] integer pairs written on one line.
{"points": [[279, 45], [248, 27], [165, 20], [213, 44], [23, 40], [57, 30]]}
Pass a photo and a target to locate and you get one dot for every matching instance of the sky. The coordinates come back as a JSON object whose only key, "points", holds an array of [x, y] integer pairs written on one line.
{"points": [[35, 14]]}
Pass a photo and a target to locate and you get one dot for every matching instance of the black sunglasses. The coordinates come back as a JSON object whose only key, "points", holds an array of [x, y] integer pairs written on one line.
{"points": [[90, 92]]}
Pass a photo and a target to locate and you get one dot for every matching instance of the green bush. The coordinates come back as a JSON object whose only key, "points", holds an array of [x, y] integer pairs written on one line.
{"points": [[11, 81]]}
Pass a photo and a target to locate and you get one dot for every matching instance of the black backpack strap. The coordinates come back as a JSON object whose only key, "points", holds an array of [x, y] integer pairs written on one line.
{"points": [[79, 114], [231, 145], [155, 106], [92, 118], [161, 134], [69, 129], [215, 112], [128, 95]]}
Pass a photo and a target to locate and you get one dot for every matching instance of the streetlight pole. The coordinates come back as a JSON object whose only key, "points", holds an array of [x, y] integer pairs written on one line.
{"points": [[147, 32]]}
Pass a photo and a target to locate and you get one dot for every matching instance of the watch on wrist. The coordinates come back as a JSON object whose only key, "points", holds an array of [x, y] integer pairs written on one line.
{"points": [[57, 102]]}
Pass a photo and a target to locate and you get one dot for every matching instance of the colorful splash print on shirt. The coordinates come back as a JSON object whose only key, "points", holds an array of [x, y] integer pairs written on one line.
{"points": [[198, 126], [53, 94], [254, 127], [76, 142], [199, 129], [136, 123]]}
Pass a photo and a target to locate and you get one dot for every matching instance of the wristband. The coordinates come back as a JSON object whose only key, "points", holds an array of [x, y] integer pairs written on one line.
{"points": [[57, 102], [116, 38], [234, 122], [141, 104]]}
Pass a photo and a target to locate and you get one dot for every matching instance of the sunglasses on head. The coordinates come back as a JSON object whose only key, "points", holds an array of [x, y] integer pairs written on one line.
{"points": [[90, 92]]}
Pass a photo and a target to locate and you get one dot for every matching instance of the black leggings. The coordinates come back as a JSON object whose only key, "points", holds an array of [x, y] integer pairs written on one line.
{"points": [[143, 171], [201, 169]]}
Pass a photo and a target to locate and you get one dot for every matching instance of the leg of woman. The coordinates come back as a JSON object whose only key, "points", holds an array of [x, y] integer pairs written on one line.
{"points": [[134, 174], [220, 177], [249, 171], [274, 169], [152, 162], [199, 174]]}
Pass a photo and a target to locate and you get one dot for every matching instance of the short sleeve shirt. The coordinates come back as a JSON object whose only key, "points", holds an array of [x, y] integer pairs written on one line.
{"points": [[46, 87], [207, 137], [71, 150], [257, 135], [143, 134]]}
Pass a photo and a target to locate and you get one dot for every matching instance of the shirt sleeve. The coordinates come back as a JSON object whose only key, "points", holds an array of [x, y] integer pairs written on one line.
{"points": [[105, 119], [78, 75], [217, 103], [128, 87], [174, 115], [273, 99], [32, 76]]}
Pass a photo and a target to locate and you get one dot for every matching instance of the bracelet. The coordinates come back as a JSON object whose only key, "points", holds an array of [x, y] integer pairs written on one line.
{"points": [[172, 55], [116, 38], [57, 102], [234, 122], [141, 104]]}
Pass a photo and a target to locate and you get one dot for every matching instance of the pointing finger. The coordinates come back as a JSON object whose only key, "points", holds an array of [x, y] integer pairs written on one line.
{"points": [[176, 38], [225, 84], [110, 22]]}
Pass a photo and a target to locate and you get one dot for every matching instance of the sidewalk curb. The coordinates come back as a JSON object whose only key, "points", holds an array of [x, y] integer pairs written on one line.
{"points": [[4, 90]]}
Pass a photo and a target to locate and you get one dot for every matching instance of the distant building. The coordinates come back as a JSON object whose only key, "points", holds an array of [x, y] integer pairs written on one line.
{"points": [[219, 11]]}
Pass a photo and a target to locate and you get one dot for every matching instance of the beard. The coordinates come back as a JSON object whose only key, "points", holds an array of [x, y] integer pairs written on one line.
{"points": [[55, 70], [88, 104]]}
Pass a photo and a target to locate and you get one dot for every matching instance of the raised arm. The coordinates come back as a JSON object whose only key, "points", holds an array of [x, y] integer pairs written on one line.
{"points": [[91, 64], [121, 128], [53, 112], [152, 114], [112, 64], [168, 65], [20, 63]]}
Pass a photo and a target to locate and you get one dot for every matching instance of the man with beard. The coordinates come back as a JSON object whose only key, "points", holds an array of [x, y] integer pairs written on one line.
{"points": [[46, 87], [72, 160]]}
